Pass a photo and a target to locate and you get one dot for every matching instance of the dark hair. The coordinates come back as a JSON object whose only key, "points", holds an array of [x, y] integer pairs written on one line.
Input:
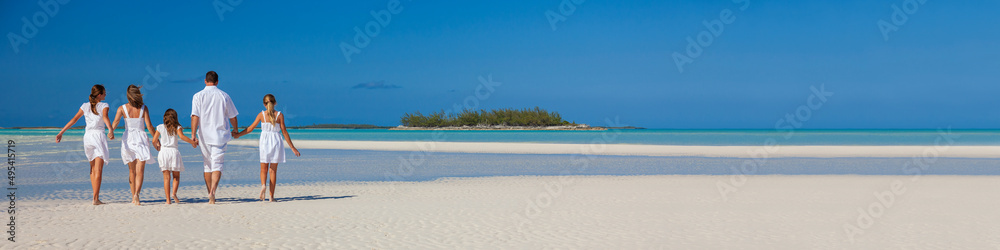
{"points": [[212, 77], [270, 114], [95, 91], [134, 96], [170, 122]]}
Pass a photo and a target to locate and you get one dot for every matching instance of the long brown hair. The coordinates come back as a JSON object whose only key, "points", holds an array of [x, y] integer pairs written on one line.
{"points": [[95, 91], [270, 114], [134, 96], [170, 122]]}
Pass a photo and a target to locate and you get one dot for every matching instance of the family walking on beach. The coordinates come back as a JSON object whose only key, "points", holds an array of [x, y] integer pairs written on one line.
{"points": [[213, 125]]}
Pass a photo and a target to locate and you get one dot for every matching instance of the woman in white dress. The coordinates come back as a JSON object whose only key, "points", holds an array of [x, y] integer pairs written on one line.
{"points": [[135, 141], [272, 151], [95, 146], [165, 141]]}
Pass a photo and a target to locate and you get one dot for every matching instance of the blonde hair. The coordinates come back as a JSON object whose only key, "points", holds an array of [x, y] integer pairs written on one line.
{"points": [[95, 91], [270, 114]]}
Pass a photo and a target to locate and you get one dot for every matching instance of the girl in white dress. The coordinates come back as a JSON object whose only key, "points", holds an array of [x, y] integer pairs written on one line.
{"points": [[272, 151], [95, 146], [165, 141], [135, 141]]}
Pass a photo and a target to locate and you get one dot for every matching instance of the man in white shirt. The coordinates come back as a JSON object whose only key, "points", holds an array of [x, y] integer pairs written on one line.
{"points": [[213, 111]]}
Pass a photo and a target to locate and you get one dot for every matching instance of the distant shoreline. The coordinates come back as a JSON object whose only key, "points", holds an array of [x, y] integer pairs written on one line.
{"points": [[501, 127], [339, 126], [314, 126]]}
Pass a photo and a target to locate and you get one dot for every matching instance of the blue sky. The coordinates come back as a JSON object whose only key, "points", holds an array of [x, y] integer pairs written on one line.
{"points": [[606, 59]]}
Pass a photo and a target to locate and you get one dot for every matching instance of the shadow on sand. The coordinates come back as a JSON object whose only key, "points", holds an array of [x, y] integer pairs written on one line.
{"points": [[245, 200]]}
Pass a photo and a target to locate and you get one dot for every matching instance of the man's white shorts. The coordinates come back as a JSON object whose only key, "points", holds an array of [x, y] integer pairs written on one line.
{"points": [[212, 155]]}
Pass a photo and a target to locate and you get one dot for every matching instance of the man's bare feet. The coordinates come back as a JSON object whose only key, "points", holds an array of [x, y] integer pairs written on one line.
{"points": [[135, 200], [271, 199], [176, 200], [98, 202], [262, 188], [211, 199]]}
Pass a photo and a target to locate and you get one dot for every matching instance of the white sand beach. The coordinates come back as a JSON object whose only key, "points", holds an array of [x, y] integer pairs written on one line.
{"points": [[529, 212], [651, 150]]}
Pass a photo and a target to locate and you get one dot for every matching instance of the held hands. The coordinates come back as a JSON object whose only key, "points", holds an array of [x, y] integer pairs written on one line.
{"points": [[194, 141], [156, 144], [111, 135], [236, 134]]}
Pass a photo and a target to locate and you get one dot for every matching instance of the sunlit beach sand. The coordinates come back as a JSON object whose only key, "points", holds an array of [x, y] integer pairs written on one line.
{"points": [[658, 212]]}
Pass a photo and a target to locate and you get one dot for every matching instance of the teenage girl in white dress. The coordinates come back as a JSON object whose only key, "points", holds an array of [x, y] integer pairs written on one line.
{"points": [[272, 151], [135, 141], [95, 146], [165, 141]]}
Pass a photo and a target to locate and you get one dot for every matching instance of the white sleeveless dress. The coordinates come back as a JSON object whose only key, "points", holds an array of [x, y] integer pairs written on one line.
{"points": [[169, 157], [272, 148], [135, 141], [95, 141]]}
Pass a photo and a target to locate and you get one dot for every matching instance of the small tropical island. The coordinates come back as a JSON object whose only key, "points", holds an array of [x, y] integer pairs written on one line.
{"points": [[496, 119]]}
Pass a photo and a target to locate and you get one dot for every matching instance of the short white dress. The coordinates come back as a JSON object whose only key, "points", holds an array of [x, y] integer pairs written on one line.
{"points": [[272, 148], [169, 157], [135, 141], [95, 141]]}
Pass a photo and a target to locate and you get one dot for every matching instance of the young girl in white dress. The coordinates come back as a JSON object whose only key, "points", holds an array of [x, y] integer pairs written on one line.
{"points": [[135, 141], [165, 141], [272, 151], [95, 146]]}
